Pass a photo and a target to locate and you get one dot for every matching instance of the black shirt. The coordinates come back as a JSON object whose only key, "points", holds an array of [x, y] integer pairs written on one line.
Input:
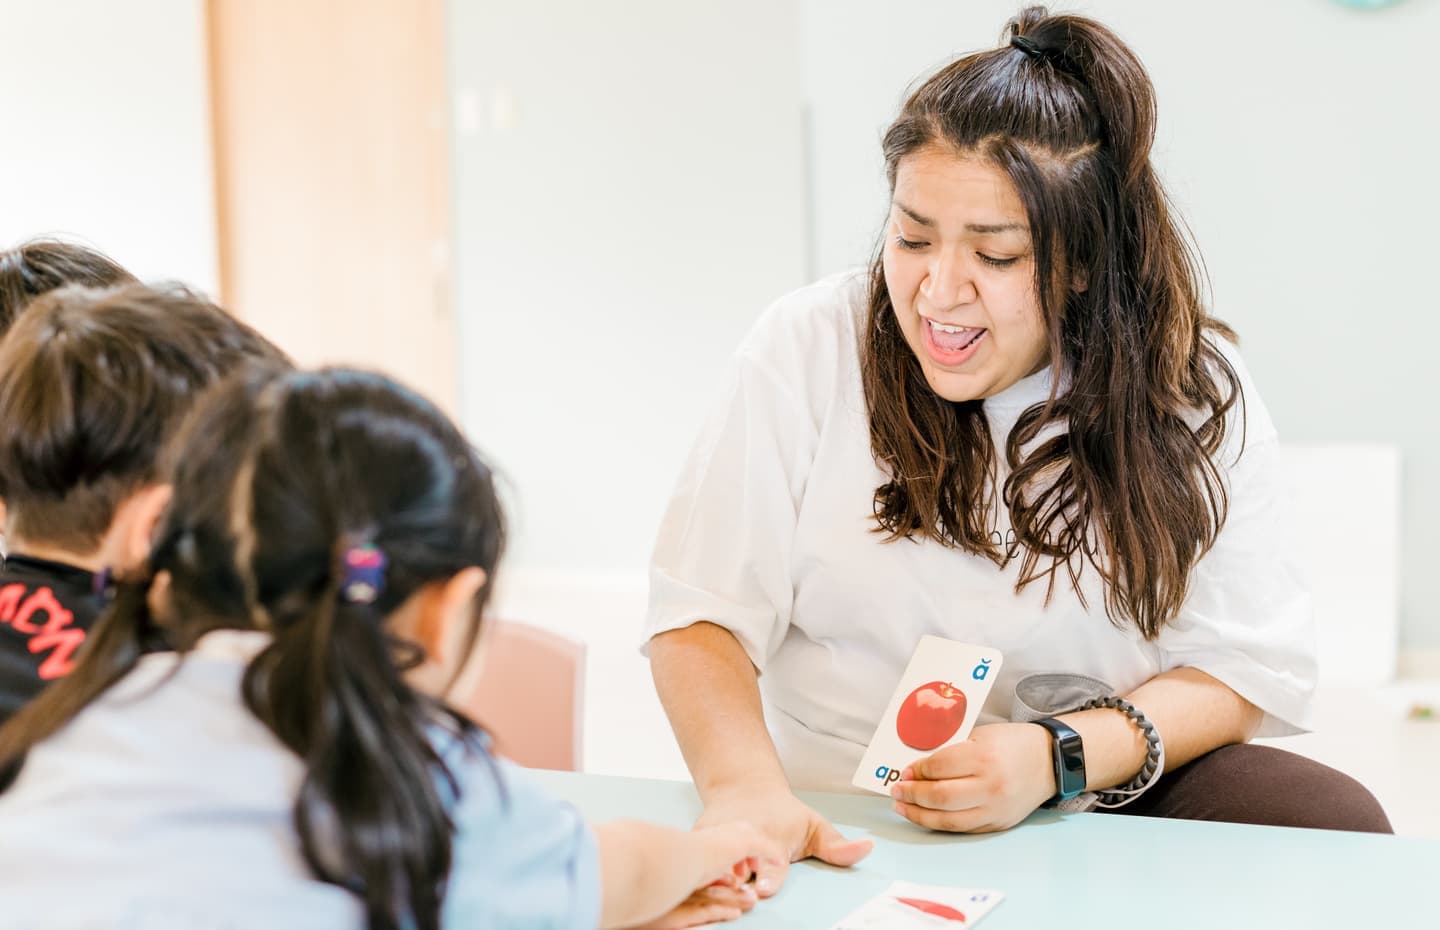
{"points": [[46, 610]]}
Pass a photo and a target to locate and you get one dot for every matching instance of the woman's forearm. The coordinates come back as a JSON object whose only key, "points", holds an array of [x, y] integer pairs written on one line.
{"points": [[711, 694], [1193, 713]]}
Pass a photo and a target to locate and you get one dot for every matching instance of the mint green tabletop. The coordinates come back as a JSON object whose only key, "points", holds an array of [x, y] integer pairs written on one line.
{"points": [[1074, 871]]}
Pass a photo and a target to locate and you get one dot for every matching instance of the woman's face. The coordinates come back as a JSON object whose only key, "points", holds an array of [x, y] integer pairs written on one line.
{"points": [[961, 274]]}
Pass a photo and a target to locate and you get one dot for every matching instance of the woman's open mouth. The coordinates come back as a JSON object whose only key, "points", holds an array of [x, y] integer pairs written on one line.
{"points": [[951, 345]]}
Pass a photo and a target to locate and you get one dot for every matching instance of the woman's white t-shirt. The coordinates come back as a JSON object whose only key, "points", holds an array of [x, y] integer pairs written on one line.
{"points": [[770, 534]]}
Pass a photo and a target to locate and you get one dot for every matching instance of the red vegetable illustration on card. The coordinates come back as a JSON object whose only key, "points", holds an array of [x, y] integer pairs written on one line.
{"points": [[930, 715], [934, 907]]}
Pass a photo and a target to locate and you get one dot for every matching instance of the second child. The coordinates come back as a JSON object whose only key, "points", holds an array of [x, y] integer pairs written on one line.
{"points": [[92, 384]]}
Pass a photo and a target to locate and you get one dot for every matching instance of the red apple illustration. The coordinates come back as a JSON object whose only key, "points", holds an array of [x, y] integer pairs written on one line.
{"points": [[930, 715]]}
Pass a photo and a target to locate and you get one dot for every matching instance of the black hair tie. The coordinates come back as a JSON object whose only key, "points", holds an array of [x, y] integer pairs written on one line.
{"points": [[1055, 57], [1028, 47]]}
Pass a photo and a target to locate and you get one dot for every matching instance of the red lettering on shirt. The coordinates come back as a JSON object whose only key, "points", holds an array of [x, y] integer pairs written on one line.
{"points": [[56, 633], [10, 602]]}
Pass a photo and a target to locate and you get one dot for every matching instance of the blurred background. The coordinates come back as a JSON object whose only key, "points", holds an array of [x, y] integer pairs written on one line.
{"points": [[559, 217]]}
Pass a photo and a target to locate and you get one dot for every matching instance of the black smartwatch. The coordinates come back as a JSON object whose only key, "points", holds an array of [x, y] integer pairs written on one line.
{"points": [[1069, 755]]}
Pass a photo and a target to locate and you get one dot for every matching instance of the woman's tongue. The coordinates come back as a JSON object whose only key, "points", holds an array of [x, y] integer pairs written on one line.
{"points": [[954, 342]]}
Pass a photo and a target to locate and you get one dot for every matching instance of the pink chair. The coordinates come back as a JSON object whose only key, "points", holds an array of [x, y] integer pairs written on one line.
{"points": [[529, 695]]}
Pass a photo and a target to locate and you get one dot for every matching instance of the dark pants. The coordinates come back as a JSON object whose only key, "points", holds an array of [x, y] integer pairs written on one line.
{"points": [[1262, 785]]}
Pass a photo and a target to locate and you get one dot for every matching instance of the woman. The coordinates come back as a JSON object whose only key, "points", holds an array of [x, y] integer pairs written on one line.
{"points": [[1021, 429]]}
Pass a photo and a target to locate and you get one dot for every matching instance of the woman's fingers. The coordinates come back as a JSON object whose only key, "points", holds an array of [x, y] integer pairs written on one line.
{"points": [[828, 845], [972, 820]]}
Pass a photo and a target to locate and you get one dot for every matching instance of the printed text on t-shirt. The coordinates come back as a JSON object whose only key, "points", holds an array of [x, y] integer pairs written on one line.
{"points": [[55, 633]]}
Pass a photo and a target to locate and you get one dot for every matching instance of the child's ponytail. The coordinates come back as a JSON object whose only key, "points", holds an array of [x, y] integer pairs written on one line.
{"points": [[358, 495], [370, 813]]}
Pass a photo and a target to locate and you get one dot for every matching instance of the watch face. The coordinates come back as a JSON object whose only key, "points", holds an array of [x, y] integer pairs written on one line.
{"points": [[1069, 756]]}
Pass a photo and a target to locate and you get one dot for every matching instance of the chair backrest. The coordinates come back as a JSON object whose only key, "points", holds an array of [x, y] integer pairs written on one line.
{"points": [[529, 695]]}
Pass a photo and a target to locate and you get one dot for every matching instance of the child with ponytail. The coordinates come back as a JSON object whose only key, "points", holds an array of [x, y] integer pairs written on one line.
{"points": [[320, 574]]}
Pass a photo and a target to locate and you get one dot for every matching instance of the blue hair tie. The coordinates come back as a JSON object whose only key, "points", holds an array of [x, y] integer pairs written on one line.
{"points": [[363, 578]]}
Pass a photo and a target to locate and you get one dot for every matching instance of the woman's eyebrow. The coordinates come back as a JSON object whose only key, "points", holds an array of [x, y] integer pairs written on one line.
{"points": [[983, 229], [986, 229], [923, 221]]}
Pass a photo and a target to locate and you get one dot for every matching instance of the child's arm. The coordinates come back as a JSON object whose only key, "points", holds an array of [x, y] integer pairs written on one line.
{"points": [[646, 870]]}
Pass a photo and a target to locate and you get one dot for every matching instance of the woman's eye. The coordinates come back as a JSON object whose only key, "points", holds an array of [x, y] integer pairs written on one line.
{"points": [[994, 262], [910, 245]]}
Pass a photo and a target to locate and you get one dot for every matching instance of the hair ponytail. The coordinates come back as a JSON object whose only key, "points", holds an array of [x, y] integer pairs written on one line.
{"points": [[350, 462], [370, 815], [1118, 86]]}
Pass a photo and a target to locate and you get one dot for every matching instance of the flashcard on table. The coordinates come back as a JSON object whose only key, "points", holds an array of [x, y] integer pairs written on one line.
{"points": [[937, 703], [908, 906]]}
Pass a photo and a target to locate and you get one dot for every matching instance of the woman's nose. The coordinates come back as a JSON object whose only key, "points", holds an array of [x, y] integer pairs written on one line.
{"points": [[949, 283]]}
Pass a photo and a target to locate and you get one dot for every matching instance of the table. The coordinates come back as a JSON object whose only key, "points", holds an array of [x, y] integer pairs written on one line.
{"points": [[1073, 871]]}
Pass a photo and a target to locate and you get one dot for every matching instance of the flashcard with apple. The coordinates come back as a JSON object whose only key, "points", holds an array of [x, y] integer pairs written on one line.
{"points": [[936, 703]]}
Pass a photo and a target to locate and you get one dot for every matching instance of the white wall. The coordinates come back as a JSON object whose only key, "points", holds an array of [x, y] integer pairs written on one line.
{"points": [[1299, 140], [628, 197], [106, 127]]}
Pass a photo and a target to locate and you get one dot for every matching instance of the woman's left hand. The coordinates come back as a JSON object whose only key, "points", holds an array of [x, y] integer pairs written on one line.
{"points": [[990, 782]]}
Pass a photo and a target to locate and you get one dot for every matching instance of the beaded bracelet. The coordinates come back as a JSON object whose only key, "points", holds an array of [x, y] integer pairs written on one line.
{"points": [[1154, 765]]}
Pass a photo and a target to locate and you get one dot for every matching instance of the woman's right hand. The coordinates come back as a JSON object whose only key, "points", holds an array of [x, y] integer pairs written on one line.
{"points": [[797, 828]]}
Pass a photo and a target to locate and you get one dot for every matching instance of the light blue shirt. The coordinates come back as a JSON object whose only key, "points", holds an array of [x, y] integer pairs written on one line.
{"points": [[524, 860], [166, 804]]}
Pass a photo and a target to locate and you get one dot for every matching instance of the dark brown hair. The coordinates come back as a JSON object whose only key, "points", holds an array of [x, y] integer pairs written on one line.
{"points": [[1128, 485], [277, 475], [42, 265], [92, 384]]}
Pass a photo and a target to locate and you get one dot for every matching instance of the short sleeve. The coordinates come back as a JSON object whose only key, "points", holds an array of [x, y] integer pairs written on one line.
{"points": [[522, 859], [723, 553], [1248, 620], [725, 549]]}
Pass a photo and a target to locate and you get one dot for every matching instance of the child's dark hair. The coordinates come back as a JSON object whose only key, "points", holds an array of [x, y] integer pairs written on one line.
{"points": [[41, 265], [92, 384], [276, 477]]}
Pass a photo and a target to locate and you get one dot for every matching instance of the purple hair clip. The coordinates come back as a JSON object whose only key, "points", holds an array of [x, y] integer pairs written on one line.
{"points": [[364, 574], [102, 585]]}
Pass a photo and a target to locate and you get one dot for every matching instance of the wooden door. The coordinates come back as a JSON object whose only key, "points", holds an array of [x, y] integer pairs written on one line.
{"points": [[333, 181]]}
